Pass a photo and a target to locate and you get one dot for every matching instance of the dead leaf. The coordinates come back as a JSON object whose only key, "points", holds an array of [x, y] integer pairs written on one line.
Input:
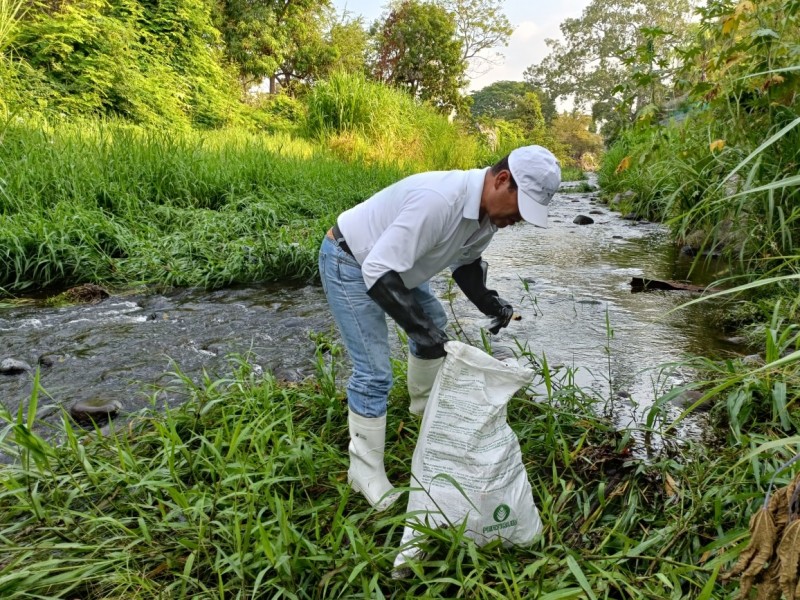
{"points": [[728, 25], [716, 145], [779, 508], [623, 165], [789, 555], [772, 81], [768, 586], [794, 500], [671, 486], [758, 551]]}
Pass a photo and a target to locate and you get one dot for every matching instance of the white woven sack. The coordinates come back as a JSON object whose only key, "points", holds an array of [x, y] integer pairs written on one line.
{"points": [[465, 438]]}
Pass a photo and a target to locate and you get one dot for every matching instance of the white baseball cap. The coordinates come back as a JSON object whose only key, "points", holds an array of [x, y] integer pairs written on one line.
{"points": [[538, 176]]}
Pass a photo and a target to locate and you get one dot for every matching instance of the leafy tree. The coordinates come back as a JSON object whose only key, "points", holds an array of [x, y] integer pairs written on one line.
{"points": [[481, 26], [573, 131], [530, 113], [615, 42], [322, 45], [416, 48], [349, 40], [258, 34], [505, 100]]}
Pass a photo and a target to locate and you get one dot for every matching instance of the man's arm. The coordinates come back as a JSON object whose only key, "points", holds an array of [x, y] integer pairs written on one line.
{"points": [[471, 278]]}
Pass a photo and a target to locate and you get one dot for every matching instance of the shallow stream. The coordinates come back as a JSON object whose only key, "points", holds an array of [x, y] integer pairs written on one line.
{"points": [[570, 284]]}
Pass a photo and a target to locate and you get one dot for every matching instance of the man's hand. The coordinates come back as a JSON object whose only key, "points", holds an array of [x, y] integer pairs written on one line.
{"points": [[501, 311]]}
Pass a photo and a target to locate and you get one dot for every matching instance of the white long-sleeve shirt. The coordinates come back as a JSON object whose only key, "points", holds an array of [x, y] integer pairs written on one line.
{"points": [[419, 226]]}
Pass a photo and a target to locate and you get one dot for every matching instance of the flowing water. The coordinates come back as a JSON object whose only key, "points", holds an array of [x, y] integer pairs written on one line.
{"points": [[570, 284]]}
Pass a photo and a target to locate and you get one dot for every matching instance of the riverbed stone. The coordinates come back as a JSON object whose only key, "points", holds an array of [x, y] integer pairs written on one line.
{"points": [[753, 360], [47, 410], [95, 409], [88, 293], [583, 220], [47, 360], [596, 212], [688, 398], [13, 366]]}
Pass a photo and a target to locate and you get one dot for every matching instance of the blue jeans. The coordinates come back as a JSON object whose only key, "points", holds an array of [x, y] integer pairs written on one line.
{"points": [[362, 325]]}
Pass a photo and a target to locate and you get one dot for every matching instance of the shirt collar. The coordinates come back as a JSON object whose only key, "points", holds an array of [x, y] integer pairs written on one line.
{"points": [[474, 190]]}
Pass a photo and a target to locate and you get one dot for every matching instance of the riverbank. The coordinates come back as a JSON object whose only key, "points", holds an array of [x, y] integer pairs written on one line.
{"points": [[112, 204], [241, 492]]}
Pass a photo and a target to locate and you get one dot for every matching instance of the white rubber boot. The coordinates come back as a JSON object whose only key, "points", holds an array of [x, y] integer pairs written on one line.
{"points": [[367, 473], [420, 377]]}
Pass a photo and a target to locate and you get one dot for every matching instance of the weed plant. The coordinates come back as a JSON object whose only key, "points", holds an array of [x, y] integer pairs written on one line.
{"points": [[726, 169], [241, 493]]}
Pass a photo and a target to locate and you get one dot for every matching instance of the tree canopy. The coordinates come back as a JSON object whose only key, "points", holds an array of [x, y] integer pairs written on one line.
{"points": [[416, 48], [260, 35], [481, 26], [506, 100], [615, 44]]}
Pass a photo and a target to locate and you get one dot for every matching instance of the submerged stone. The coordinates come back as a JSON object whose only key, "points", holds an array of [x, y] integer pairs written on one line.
{"points": [[95, 409], [12, 366]]}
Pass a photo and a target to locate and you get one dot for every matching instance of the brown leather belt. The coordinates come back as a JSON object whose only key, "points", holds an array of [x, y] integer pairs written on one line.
{"points": [[336, 235]]}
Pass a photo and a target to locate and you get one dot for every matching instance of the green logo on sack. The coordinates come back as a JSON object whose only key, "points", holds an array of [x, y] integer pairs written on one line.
{"points": [[501, 513]]}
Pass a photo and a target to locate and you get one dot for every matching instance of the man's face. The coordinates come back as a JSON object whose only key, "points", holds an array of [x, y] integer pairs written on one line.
{"points": [[503, 208]]}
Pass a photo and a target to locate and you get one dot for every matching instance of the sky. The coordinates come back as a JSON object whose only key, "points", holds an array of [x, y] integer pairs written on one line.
{"points": [[533, 21]]}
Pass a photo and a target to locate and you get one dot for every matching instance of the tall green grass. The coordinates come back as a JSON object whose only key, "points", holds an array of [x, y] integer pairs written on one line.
{"points": [[379, 124], [10, 13], [113, 203], [241, 493]]}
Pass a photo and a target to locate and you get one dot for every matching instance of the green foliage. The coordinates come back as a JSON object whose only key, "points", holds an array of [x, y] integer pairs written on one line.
{"points": [[728, 170], [242, 491], [505, 99], [370, 121], [572, 131], [316, 47], [530, 113], [416, 49], [480, 26], [262, 36], [11, 11], [150, 62], [93, 202], [349, 41], [600, 62], [276, 112]]}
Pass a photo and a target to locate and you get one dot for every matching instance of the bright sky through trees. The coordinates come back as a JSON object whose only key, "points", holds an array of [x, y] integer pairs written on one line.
{"points": [[533, 21]]}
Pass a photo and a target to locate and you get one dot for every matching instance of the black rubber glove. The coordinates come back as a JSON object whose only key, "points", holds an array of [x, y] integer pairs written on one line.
{"points": [[471, 279], [391, 294]]}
